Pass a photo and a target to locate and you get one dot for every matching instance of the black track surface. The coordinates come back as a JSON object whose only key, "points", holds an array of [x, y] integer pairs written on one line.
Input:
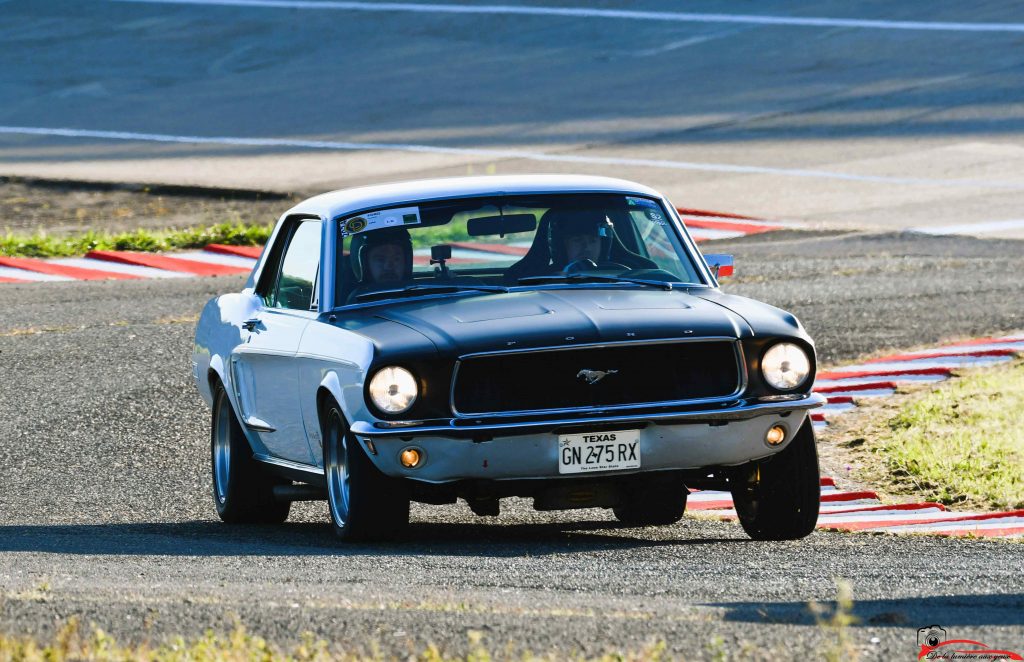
{"points": [[105, 506]]}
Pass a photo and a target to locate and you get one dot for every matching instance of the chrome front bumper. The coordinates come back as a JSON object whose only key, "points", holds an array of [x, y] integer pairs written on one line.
{"points": [[689, 439]]}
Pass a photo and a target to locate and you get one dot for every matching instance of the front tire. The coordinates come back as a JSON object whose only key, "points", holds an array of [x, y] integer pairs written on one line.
{"points": [[242, 491], [364, 504], [778, 498]]}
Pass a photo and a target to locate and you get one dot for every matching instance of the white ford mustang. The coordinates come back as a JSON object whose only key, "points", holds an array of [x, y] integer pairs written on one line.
{"points": [[553, 337]]}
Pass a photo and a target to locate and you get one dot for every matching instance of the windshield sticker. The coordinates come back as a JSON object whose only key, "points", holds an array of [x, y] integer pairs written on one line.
{"points": [[355, 225], [656, 217], [385, 218], [641, 202]]}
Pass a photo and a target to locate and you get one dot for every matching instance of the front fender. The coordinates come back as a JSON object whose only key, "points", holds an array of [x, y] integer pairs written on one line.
{"points": [[218, 333], [332, 360]]}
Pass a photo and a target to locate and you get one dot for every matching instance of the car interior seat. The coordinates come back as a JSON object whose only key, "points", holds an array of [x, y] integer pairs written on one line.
{"points": [[537, 258]]}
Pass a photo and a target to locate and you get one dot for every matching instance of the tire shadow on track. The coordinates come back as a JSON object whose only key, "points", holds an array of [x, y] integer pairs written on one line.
{"points": [[208, 538]]}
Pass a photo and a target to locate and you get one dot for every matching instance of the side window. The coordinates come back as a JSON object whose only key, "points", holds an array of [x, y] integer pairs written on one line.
{"points": [[297, 280]]}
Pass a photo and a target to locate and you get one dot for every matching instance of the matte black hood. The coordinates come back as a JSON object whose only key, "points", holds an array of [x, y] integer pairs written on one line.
{"points": [[544, 318]]}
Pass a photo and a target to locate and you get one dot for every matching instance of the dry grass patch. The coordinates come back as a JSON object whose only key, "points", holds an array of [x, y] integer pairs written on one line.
{"points": [[956, 442], [70, 643], [963, 440]]}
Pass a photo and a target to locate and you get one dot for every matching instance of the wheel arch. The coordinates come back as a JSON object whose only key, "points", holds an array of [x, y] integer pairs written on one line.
{"points": [[216, 376], [331, 390], [215, 373]]}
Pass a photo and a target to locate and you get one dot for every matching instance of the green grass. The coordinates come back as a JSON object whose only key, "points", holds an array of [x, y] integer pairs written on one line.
{"points": [[235, 234], [43, 245], [440, 234], [964, 440]]}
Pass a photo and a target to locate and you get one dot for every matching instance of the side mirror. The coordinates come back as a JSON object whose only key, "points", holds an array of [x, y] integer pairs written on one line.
{"points": [[721, 265]]}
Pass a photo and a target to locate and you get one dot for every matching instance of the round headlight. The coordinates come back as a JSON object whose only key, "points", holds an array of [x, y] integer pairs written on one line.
{"points": [[393, 389], [785, 366]]}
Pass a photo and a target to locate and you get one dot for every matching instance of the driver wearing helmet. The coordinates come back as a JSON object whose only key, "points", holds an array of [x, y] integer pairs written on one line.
{"points": [[384, 256], [581, 238]]}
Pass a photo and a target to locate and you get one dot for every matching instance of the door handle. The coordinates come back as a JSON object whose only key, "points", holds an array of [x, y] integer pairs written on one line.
{"points": [[251, 325]]}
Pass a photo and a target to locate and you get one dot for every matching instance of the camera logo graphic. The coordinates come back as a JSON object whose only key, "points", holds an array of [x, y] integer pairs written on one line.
{"points": [[931, 636]]}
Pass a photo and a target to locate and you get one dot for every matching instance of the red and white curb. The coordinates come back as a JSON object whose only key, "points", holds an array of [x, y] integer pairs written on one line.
{"points": [[222, 260], [844, 385], [864, 511], [130, 265], [709, 225]]}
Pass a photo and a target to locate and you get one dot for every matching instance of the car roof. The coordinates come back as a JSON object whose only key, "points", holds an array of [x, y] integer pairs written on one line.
{"points": [[337, 203]]}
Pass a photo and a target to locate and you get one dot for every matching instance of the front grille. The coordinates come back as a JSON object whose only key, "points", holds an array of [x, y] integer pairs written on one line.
{"points": [[552, 379]]}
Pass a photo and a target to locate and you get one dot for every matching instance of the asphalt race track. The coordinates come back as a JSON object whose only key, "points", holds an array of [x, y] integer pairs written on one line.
{"points": [[866, 125], [106, 502], [875, 119]]}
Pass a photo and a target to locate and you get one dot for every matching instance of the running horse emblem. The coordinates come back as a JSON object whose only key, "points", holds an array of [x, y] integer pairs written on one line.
{"points": [[594, 376]]}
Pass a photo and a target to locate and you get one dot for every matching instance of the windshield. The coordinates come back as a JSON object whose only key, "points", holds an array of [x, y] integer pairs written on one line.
{"points": [[580, 240]]}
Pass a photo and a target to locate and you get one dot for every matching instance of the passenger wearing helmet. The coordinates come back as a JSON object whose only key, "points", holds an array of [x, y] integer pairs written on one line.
{"points": [[384, 256], [581, 238]]}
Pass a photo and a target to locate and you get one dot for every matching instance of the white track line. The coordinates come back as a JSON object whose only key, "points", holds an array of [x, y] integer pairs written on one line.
{"points": [[922, 516], [972, 228], [957, 526], [866, 393], [619, 14], [852, 503], [217, 258], [937, 362], [837, 408], [854, 381], [685, 43], [954, 350], [828, 509], [707, 234], [117, 267], [505, 154], [24, 274]]}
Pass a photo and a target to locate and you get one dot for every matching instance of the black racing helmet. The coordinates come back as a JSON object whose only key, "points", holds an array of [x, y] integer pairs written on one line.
{"points": [[364, 241], [572, 222]]}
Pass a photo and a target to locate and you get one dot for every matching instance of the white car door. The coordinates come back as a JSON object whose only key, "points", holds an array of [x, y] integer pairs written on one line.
{"points": [[264, 364]]}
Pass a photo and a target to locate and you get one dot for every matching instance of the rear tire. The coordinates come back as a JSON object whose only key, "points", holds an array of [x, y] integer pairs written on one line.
{"points": [[363, 503], [242, 491], [657, 505], [783, 503]]}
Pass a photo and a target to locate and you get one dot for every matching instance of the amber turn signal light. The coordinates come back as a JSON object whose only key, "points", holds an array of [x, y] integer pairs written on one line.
{"points": [[410, 458], [776, 435]]}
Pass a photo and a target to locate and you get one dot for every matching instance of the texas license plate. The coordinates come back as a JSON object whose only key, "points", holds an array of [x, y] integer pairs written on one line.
{"points": [[598, 451]]}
